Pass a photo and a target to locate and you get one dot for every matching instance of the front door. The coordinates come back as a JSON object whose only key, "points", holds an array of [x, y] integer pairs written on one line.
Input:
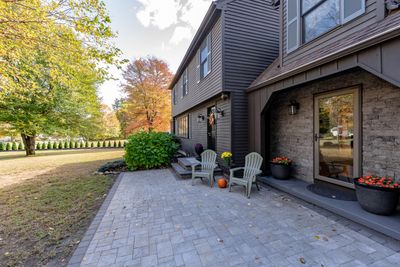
{"points": [[211, 128], [337, 137]]}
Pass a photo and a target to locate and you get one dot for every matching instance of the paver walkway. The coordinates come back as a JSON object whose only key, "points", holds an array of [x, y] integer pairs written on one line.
{"points": [[154, 219]]}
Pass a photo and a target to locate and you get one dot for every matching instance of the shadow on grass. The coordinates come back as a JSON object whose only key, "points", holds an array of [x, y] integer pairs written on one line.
{"points": [[43, 153], [44, 218]]}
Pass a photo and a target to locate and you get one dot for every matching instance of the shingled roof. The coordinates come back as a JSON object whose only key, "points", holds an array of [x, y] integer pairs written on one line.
{"points": [[381, 31]]}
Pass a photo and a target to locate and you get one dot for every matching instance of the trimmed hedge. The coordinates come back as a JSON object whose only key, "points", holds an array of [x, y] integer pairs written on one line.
{"points": [[51, 145], [149, 150]]}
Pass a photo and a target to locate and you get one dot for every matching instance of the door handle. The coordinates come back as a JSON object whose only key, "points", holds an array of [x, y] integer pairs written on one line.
{"points": [[316, 137]]}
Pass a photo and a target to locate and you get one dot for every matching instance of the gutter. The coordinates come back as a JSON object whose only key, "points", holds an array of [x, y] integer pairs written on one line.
{"points": [[355, 47]]}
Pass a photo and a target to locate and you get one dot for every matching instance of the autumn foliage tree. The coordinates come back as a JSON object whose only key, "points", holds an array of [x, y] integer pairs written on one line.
{"points": [[147, 104]]}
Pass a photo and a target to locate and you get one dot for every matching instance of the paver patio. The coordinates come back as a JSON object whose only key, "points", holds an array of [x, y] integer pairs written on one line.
{"points": [[153, 219]]}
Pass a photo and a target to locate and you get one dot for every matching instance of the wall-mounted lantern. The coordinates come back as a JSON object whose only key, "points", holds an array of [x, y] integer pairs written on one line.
{"points": [[220, 113], [200, 118], [293, 107], [224, 96]]}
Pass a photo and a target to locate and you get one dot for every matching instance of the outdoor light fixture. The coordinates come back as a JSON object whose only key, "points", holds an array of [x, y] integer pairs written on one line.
{"points": [[224, 96], [220, 113], [200, 118], [293, 107]]}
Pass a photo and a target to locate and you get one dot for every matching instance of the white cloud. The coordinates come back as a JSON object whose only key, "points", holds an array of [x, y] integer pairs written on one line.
{"points": [[184, 15], [194, 11], [180, 34], [161, 14]]}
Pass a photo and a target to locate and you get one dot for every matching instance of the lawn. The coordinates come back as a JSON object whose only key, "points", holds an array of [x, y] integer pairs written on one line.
{"points": [[47, 202]]}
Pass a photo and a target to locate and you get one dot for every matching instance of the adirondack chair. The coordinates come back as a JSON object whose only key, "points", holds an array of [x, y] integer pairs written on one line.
{"points": [[207, 166], [251, 169]]}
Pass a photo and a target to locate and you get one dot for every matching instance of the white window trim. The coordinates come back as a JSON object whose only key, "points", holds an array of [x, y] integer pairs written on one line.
{"points": [[185, 83], [208, 45], [298, 18], [354, 15]]}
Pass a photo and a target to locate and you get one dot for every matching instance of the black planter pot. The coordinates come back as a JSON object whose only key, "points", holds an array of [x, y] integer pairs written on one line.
{"points": [[280, 171], [377, 200]]}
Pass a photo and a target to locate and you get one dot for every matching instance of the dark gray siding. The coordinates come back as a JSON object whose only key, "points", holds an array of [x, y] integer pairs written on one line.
{"points": [[380, 60], [339, 33], [210, 85], [251, 43], [198, 130]]}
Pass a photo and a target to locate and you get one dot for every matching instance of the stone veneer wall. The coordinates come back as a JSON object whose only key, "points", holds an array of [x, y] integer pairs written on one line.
{"points": [[292, 136]]}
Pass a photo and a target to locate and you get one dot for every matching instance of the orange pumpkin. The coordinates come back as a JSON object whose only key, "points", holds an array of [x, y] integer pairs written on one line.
{"points": [[222, 183]]}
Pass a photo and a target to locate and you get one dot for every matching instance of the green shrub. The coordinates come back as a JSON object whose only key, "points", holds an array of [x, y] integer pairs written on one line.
{"points": [[61, 145], [21, 146], [106, 144], [50, 145], [99, 144], [67, 144], [112, 143], [9, 146], [38, 146], [92, 144], [14, 146], [55, 145], [78, 145], [146, 150], [3, 146], [72, 144], [83, 144]]}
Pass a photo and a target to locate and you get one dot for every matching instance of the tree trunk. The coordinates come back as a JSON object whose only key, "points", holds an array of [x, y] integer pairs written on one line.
{"points": [[29, 142]]}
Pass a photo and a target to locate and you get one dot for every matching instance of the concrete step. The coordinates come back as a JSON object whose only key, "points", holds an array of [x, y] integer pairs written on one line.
{"points": [[181, 172], [187, 173], [187, 162]]}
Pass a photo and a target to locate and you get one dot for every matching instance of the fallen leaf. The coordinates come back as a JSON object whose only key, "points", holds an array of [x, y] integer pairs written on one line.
{"points": [[317, 237], [302, 260], [220, 240], [7, 254]]}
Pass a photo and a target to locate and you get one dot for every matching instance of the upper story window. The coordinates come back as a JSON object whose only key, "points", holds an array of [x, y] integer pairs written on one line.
{"points": [[205, 57], [185, 85], [308, 19]]}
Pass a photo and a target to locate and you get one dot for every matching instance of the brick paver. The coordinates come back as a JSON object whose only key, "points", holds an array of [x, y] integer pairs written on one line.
{"points": [[154, 219]]}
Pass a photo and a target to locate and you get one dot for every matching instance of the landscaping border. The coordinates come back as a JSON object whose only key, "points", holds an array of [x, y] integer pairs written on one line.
{"points": [[80, 251]]}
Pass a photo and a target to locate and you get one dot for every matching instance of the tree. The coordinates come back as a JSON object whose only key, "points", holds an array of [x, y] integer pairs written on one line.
{"points": [[109, 124], [147, 104], [50, 53]]}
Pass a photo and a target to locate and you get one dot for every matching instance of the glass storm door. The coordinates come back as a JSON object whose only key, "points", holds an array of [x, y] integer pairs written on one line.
{"points": [[336, 137]]}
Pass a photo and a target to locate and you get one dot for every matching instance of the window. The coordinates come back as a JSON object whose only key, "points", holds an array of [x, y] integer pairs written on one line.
{"points": [[185, 80], [174, 97], [182, 126], [205, 58], [308, 19], [319, 17]]}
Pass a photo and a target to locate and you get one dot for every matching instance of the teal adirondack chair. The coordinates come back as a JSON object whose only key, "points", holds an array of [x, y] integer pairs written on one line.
{"points": [[207, 166], [251, 169]]}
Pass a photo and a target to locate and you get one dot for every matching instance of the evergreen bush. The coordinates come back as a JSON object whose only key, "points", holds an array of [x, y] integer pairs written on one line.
{"points": [[14, 146]]}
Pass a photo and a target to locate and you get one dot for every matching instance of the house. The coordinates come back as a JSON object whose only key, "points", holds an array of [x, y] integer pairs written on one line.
{"points": [[340, 64], [236, 41], [331, 100]]}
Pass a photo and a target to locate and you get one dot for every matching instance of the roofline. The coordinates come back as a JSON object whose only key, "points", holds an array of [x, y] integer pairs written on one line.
{"points": [[214, 11], [353, 48]]}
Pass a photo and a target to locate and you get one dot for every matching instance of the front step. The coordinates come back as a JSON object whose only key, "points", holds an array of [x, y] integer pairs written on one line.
{"points": [[186, 173], [181, 172], [187, 162]]}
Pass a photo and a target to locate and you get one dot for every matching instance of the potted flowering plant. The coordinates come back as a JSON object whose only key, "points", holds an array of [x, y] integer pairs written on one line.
{"points": [[227, 158], [281, 167], [375, 194]]}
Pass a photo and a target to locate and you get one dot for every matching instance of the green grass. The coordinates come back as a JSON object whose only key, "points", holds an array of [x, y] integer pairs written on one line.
{"points": [[43, 218]]}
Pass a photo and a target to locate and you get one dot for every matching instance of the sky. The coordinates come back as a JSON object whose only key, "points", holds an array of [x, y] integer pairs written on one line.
{"points": [[161, 28]]}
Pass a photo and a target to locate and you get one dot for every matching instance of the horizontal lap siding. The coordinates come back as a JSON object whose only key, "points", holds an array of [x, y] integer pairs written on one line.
{"points": [[339, 33], [251, 43], [210, 85], [198, 130]]}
